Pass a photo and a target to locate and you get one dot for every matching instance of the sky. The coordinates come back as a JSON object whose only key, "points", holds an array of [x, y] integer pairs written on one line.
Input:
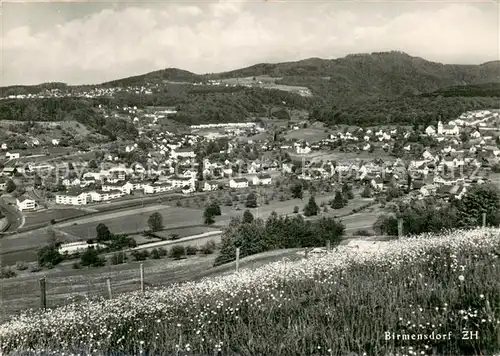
{"points": [[95, 41]]}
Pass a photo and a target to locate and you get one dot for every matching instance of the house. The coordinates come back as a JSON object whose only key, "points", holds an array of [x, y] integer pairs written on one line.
{"points": [[23, 203], [476, 134], [180, 182], [188, 189], [302, 150], [3, 184], [262, 179], [9, 171], [72, 198], [12, 155], [209, 186], [430, 131], [428, 189], [55, 142], [4, 146], [125, 188], [67, 182], [238, 183], [156, 188], [447, 129], [78, 246], [100, 195], [183, 152]]}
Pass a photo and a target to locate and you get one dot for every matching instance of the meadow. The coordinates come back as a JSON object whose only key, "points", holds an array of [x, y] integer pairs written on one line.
{"points": [[347, 302]]}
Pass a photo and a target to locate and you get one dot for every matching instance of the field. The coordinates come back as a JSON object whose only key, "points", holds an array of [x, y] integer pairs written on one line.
{"points": [[309, 134], [340, 156], [267, 83], [63, 283], [341, 303], [46, 216]]}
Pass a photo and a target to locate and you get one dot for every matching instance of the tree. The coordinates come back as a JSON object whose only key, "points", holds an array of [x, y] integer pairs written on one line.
{"points": [[367, 192], [338, 201], [10, 186], [177, 252], [208, 216], [155, 222], [479, 199], [38, 181], [91, 258], [251, 201], [347, 191], [215, 208], [311, 207], [93, 164], [464, 137], [247, 217], [386, 225], [297, 191], [49, 255], [103, 233]]}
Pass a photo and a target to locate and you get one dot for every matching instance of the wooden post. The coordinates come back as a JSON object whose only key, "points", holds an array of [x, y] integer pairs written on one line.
{"points": [[108, 282], [328, 245], [142, 277], [237, 259], [400, 227], [484, 219], [306, 253], [43, 295]]}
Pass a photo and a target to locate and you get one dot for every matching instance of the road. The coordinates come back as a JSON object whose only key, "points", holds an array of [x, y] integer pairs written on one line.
{"points": [[15, 217]]}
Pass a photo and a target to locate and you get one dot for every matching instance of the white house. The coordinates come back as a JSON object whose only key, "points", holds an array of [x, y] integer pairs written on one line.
{"points": [[55, 142], [475, 134], [209, 186], [4, 146], [262, 179], [157, 188], [72, 198], [238, 183], [12, 155], [180, 182], [23, 203], [183, 152], [73, 247], [302, 150], [447, 129], [430, 131], [100, 195]]}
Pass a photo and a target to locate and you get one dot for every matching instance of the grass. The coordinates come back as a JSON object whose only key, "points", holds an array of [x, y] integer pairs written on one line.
{"points": [[339, 304], [65, 284], [308, 134]]}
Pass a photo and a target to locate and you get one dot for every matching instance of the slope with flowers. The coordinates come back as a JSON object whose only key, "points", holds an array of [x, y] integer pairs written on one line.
{"points": [[343, 303]]}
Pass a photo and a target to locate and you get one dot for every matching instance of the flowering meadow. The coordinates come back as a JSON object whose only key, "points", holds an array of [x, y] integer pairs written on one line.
{"points": [[341, 303]]}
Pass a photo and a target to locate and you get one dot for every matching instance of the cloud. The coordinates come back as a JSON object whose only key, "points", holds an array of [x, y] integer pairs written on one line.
{"points": [[212, 37]]}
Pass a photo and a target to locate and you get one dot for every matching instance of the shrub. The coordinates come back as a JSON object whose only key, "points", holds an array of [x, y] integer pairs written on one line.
{"points": [[191, 250], [162, 252], [21, 265], [363, 233], [208, 248], [155, 255], [35, 268], [177, 252], [7, 272], [76, 265], [295, 209], [139, 255]]}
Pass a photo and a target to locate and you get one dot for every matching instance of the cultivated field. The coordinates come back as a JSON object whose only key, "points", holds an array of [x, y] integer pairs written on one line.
{"points": [[45, 216], [341, 303]]}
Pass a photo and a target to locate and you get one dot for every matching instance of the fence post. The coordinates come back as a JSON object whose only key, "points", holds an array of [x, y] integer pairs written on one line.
{"points": [[400, 227], [108, 283], [328, 245], [306, 253], [43, 295], [484, 219], [142, 277], [237, 259]]}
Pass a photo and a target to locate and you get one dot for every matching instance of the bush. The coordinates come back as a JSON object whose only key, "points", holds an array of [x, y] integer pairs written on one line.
{"points": [[191, 250], [362, 233], [35, 268], [208, 248], [155, 255], [76, 265], [7, 272], [139, 255], [295, 209], [21, 265], [162, 252], [177, 252]]}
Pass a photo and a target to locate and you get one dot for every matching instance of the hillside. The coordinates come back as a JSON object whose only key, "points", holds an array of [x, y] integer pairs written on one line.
{"points": [[428, 284], [359, 89]]}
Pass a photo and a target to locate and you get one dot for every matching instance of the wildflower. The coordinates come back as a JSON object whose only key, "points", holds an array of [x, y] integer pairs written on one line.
{"points": [[461, 278]]}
